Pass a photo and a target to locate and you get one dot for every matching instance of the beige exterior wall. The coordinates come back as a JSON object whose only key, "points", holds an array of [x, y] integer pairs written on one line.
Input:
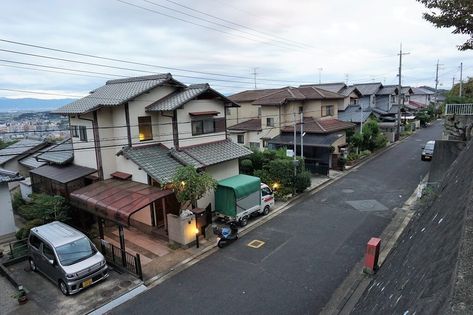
{"points": [[270, 112], [185, 126], [84, 152], [143, 216], [249, 137], [341, 141], [243, 113], [127, 166], [218, 172]]}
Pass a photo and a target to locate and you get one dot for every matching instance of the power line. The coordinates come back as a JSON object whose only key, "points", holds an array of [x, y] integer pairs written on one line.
{"points": [[236, 24], [198, 24]]}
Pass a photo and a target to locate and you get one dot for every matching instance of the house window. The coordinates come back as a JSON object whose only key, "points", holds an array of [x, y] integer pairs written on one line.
{"points": [[270, 122], [259, 112], [327, 110], [83, 133], [355, 101], [203, 126], [265, 143], [145, 129], [74, 131], [393, 99], [228, 111], [301, 109], [241, 139]]}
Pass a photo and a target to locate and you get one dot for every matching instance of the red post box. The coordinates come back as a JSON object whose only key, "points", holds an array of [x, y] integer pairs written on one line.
{"points": [[371, 255]]}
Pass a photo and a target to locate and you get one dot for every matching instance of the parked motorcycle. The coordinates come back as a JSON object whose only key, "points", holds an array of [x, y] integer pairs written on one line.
{"points": [[226, 235]]}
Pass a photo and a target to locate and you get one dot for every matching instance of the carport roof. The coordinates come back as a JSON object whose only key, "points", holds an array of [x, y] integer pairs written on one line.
{"points": [[63, 175], [116, 200], [310, 139]]}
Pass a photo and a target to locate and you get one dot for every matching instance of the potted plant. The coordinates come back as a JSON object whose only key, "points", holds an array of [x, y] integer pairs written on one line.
{"points": [[21, 295]]}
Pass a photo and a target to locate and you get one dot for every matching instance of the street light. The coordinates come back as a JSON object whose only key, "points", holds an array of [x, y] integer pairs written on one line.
{"points": [[196, 237]]}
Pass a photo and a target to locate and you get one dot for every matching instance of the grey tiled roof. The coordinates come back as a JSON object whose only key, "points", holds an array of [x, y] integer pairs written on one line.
{"points": [[249, 125], [422, 91], [332, 87], [155, 160], [368, 88], [21, 147], [215, 152], [61, 153], [353, 114], [114, 92], [31, 162], [9, 176], [387, 90], [179, 98]]}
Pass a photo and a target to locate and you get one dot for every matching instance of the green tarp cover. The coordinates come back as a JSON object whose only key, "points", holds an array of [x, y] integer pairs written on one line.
{"points": [[231, 189]]}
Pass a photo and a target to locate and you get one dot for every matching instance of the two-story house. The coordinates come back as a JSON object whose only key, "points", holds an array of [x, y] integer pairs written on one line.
{"points": [[134, 133], [278, 111]]}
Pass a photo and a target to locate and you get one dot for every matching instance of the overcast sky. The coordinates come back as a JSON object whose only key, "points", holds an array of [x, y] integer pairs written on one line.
{"points": [[288, 42]]}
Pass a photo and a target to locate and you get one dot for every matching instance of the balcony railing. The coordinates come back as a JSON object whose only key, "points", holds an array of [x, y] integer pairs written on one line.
{"points": [[459, 109]]}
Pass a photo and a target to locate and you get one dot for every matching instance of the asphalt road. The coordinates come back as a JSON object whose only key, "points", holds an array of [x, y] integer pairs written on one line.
{"points": [[308, 251]]}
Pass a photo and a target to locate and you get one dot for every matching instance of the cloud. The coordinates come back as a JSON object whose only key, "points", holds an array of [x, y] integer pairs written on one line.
{"points": [[355, 38]]}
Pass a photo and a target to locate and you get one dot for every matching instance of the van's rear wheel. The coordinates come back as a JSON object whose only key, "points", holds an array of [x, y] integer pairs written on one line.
{"points": [[63, 287], [266, 210], [32, 264], [244, 221]]}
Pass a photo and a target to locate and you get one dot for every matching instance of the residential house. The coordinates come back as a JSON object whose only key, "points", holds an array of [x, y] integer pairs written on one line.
{"points": [[282, 108], [10, 156], [134, 133], [421, 98], [7, 220]]}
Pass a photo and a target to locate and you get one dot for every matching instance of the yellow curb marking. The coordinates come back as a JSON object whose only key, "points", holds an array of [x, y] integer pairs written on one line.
{"points": [[255, 244]]}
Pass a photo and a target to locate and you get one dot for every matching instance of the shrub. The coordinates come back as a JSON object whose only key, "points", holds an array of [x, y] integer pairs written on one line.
{"points": [[17, 201], [24, 232], [246, 166], [302, 181], [45, 207], [381, 141], [352, 156]]}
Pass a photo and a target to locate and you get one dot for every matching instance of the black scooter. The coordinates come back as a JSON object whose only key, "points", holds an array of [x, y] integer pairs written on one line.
{"points": [[226, 235]]}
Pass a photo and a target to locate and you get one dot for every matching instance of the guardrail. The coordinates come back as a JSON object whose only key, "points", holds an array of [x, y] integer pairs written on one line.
{"points": [[459, 109], [122, 259]]}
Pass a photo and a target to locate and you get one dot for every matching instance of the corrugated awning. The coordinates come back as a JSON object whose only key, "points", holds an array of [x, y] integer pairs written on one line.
{"points": [[116, 200], [310, 140], [64, 174]]}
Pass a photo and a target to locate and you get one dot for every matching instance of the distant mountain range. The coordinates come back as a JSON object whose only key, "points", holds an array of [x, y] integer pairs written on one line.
{"points": [[31, 104]]}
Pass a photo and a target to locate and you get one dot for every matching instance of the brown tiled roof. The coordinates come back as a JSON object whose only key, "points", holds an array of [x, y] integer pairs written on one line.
{"points": [[250, 125], [296, 94], [312, 125], [251, 95]]}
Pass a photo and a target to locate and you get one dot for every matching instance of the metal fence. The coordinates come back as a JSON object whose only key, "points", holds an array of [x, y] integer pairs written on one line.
{"points": [[18, 249], [459, 109], [122, 259]]}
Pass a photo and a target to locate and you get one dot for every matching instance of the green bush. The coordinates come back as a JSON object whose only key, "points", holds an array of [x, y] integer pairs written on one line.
{"points": [[381, 141], [17, 201], [365, 153], [24, 232], [302, 181], [45, 207], [352, 156], [246, 166]]}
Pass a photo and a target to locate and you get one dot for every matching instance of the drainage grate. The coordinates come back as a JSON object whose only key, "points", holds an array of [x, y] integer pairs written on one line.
{"points": [[255, 244]]}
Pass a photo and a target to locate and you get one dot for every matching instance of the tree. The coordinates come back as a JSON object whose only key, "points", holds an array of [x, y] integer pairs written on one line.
{"points": [[190, 185], [452, 13]]}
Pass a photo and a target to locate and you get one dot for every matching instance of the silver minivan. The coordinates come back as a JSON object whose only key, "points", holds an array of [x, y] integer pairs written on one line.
{"points": [[66, 256]]}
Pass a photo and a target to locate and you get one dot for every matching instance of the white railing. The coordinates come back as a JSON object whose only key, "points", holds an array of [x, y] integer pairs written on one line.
{"points": [[459, 109]]}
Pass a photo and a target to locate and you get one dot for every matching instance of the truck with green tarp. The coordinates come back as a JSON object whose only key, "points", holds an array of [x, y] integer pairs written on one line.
{"points": [[239, 197]]}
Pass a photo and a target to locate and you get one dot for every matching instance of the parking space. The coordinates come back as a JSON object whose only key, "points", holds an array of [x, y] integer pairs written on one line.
{"points": [[48, 298]]}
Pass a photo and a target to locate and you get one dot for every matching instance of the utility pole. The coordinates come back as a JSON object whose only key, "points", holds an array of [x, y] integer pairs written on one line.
{"points": [[399, 93], [294, 161], [436, 81], [453, 82], [320, 74], [461, 79], [302, 136], [254, 75]]}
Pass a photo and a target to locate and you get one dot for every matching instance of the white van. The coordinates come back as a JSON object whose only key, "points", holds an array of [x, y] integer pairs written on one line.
{"points": [[66, 256]]}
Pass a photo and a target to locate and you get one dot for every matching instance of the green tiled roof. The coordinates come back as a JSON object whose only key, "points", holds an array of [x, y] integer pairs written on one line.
{"points": [[155, 160], [215, 152]]}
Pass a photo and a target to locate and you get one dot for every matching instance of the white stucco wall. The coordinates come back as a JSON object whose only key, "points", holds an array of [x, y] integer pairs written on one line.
{"points": [[270, 112], [7, 221], [243, 113], [127, 166], [84, 151], [185, 126], [218, 172]]}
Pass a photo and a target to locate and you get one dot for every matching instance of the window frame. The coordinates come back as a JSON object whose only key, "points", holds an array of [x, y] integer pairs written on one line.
{"points": [[83, 133], [146, 127], [201, 122], [242, 137], [325, 112], [32, 242], [52, 251], [74, 131], [268, 120]]}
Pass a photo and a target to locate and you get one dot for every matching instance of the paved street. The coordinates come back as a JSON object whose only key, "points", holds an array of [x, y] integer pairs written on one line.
{"points": [[308, 251]]}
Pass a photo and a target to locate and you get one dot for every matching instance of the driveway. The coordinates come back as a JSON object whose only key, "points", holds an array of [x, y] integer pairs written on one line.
{"points": [[305, 253], [45, 298]]}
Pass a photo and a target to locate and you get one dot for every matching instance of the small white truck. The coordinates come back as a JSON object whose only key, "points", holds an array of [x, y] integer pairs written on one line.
{"points": [[239, 197]]}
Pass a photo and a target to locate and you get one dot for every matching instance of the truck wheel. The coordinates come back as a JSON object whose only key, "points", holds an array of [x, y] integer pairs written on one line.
{"points": [[266, 210], [243, 221]]}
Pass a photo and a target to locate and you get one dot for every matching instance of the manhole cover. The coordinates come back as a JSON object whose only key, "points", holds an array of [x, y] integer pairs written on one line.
{"points": [[367, 205], [348, 191], [255, 244]]}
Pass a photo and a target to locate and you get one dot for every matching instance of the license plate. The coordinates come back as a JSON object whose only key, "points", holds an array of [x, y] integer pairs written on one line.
{"points": [[86, 283]]}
